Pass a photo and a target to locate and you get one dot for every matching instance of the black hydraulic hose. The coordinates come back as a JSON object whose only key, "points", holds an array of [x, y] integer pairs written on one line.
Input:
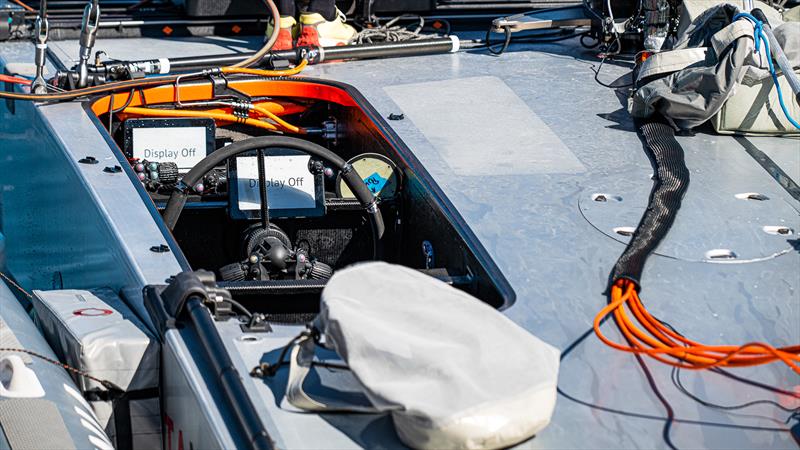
{"points": [[360, 190], [669, 185], [235, 393]]}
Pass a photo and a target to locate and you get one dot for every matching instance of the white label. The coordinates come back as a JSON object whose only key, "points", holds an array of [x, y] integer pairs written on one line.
{"points": [[289, 183], [185, 146]]}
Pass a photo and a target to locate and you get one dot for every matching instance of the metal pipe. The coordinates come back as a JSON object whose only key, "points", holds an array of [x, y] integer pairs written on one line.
{"points": [[39, 85], [91, 17], [228, 377], [315, 55]]}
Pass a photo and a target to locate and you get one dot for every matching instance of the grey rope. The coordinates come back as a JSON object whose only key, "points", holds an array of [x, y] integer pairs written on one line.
{"points": [[391, 32]]}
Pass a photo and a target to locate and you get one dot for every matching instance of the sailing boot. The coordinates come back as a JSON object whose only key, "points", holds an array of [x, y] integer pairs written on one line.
{"points": [[286, 35]]}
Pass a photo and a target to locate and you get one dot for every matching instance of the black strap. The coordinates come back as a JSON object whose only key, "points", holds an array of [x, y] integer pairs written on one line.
{"points": [[121, 407], [123, 433]]}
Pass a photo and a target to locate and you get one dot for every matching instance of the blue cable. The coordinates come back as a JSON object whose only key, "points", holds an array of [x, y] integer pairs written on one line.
{"points": [[758, 36]]}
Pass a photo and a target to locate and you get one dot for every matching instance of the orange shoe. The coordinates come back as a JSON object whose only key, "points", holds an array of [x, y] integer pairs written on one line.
{"points": [[285, 34], [318, 32]]}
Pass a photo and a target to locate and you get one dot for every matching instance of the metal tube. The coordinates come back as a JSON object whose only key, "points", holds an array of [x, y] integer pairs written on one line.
{"points": [[363, 51], [39, 85], [227, 375], [91, 17]]}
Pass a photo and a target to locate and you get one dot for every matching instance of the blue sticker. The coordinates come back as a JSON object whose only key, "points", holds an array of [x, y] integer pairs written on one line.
{"points": [[375, 182]]}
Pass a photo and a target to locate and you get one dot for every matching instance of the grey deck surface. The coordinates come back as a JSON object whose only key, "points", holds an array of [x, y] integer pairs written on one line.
{"points": [[519, 144]]}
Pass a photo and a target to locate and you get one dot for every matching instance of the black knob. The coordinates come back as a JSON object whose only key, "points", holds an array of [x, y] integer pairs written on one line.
{"points": [[211, 179], [320, 271], [233, 272], [277, 253]]}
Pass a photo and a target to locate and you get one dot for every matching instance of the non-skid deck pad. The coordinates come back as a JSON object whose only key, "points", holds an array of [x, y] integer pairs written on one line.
{"points": [[35, 424], [480, 126]]}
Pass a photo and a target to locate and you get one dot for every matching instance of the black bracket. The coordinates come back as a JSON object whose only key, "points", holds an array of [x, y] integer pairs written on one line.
{"points": [[166, 304], [222, 89]]}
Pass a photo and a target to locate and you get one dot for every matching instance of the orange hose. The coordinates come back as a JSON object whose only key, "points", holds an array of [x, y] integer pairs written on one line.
{"points": [[24, 6], [286, 125], [15, 80], [189, 113], [267, 73], [665, 345]]}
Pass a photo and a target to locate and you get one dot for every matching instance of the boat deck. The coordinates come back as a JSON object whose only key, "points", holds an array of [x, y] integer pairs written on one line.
{"points": [[520, 144]]}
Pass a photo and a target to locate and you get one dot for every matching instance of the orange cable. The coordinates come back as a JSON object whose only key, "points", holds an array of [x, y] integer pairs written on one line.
{"points": [[267, 73], [15, 80], [658, 341], [189, 113], [278, 120], [24, 6]]}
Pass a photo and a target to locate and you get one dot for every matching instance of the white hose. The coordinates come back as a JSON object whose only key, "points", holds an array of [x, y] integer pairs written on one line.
{"points": [[276, 28]]}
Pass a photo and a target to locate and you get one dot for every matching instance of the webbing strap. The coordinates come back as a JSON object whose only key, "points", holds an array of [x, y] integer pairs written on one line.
{"points": [[671, 61], [300, 363]]}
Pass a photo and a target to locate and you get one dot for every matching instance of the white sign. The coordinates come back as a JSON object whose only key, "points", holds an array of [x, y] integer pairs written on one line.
{"points": [[289, 183], [185, 146]]}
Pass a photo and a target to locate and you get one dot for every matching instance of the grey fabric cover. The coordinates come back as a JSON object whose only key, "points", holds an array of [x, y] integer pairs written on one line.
{"points": [[453, 372], [114, 346], [692, 94]]}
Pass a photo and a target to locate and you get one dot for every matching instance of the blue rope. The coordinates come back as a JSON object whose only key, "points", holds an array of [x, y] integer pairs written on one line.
{"points": [[759, 36]]}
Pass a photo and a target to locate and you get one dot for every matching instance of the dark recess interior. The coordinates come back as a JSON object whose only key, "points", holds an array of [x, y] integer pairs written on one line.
{"points": [[211, 238]]}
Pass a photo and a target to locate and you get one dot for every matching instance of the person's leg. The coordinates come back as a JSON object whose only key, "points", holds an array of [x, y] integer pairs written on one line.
{"points": [[323, 25], [325, 8], [286, 8]]}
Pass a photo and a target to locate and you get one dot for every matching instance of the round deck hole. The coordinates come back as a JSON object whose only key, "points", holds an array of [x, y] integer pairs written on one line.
{"points": [[600, 197], [624, 231], [752, 196], [778, 230], [720, 254]]}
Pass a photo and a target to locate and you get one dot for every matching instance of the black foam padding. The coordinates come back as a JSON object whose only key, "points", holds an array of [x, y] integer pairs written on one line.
{"points": [[669, 185]]}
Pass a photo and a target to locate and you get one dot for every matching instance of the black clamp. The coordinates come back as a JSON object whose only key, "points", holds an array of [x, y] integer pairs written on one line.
{"points": [[183, 286], [166, 305], [221, 88], [181, 187]]}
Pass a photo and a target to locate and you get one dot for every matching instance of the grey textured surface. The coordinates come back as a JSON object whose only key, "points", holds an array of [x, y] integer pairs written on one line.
{"points": [[558, 261], [24, 419], [469, 118]]}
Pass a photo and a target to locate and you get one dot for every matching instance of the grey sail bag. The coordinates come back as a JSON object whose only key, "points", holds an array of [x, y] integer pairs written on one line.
{"points": [[452, 371], [714, 73]]}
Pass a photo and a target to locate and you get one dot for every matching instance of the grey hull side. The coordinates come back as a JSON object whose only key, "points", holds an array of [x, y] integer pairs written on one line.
{"points": [[62, 412]]}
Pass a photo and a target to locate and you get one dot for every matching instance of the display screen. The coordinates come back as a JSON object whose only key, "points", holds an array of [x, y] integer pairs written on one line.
{"points": [[292, 190], [182, 141]]}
